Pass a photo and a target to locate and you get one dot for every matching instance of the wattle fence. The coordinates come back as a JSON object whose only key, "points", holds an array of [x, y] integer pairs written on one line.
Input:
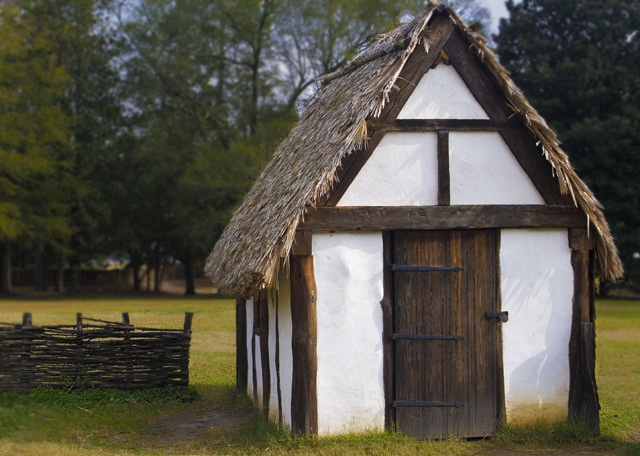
{"points": [[93, 354]]}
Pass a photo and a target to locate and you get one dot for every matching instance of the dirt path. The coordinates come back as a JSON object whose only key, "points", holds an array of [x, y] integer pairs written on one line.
{"points": [[180, 427]]}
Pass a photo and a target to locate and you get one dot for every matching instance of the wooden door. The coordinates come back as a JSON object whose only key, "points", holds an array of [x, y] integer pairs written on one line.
{"points": [[445, 347]]}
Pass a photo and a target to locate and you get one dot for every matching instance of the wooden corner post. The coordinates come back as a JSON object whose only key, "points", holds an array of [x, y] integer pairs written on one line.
{"points": [[242, 362], [584, 404], [304, 397]]}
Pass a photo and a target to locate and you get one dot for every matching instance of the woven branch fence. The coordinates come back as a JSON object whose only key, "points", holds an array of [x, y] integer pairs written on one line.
{"points": [[93, 354]]}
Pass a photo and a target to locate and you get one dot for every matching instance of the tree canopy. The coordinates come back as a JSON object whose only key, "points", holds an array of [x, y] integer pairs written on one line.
{"points": [[578, 62], [136, 127]]}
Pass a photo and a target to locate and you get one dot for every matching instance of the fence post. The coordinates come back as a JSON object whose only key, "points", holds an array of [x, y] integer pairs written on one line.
{"points": [[128, 376], [188, 318], [26, 373], [79, 357]]}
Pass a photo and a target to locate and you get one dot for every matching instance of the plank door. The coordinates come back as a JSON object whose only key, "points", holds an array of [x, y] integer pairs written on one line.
{"points": [[445, 347]]}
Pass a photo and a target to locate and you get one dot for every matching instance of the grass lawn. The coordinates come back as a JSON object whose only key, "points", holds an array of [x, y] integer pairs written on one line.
{"points": [[132, 425]]}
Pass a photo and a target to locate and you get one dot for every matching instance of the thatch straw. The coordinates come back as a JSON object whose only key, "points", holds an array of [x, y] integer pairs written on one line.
{"points": [[304, 167]]}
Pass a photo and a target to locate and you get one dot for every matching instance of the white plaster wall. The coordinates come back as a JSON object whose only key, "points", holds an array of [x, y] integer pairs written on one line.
{"points": [[442, 94], [249, 306], [483, 170], [402, 171], [258, 357], [286, 353], [348, 273], [280, 301], [273, 394], [537, 290]]}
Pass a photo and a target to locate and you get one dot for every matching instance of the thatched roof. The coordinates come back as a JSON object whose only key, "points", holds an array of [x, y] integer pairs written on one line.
{"points": [[304, 167]]}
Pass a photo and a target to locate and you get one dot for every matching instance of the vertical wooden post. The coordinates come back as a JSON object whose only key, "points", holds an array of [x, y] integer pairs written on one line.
{"points": [[242, 362], [584, 404], [128, 375], [264, 351], [277, 354], [79, 355], [188, 318], [501, 406], [184, 377], [304, 396], [444, 180], [25, 371], [387, 330]]}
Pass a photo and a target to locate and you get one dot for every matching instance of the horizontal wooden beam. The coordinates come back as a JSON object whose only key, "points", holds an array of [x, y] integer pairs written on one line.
{"points": [[442, 217], [444, 124]]}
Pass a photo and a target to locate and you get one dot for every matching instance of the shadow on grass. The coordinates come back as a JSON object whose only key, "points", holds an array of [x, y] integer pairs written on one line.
{"points": [[569, 435]]}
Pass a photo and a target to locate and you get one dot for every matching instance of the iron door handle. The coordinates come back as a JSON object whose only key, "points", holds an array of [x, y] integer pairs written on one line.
{"points": [[502, 316]]}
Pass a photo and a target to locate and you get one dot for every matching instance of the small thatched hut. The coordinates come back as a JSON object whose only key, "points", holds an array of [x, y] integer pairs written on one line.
{"points": [[419, 253]]}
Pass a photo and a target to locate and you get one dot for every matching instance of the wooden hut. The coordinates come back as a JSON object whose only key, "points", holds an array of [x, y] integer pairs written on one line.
{"points": [[419, 253]]}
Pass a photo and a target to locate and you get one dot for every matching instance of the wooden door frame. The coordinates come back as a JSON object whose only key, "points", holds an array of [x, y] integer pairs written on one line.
{"points": [[387, 304]]}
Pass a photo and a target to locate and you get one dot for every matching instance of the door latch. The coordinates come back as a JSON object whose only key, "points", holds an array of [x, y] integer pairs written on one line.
{"points": [[502, 316]]}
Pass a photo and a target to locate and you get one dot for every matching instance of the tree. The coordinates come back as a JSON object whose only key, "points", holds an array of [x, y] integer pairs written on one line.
{"points": [[578, 62], [33, 138], [85, 47]]}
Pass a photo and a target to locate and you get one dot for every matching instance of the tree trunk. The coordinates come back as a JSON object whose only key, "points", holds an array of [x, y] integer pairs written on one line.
{"points": [[74, 285], [157, 283], [135, 268], [189, 279], [40, 270], [59, 286], [5, 267], [136, 264], [148, 275]]}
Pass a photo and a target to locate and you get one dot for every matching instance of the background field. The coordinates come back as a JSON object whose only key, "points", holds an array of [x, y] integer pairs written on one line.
{"points": [[220, 422]]}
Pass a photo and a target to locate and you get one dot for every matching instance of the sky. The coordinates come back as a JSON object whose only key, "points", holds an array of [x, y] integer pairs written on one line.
{"points": [[497, 9]]}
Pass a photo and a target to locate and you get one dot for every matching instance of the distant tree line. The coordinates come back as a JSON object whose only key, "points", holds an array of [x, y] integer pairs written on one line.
{"points": [[134, 127]]}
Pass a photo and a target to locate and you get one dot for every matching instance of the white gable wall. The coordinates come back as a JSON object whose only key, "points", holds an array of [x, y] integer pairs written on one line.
{"points": [[536, 279], [348, 273], [483, 170], [403, 170], [442, 94]]}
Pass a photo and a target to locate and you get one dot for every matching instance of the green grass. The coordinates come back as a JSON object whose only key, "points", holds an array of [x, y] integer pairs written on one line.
{"points": [[618, 368], [46, 423]]}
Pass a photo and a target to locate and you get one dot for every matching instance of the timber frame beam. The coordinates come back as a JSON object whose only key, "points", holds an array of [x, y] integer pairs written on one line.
{"points": [[445, 124], [378, 218]]}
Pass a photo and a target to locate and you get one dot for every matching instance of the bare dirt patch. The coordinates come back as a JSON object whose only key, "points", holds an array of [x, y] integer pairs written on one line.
{"points": [[184, 426]]}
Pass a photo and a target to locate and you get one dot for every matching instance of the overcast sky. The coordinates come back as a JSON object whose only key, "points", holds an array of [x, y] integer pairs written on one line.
{"points": [[497, 9]]}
